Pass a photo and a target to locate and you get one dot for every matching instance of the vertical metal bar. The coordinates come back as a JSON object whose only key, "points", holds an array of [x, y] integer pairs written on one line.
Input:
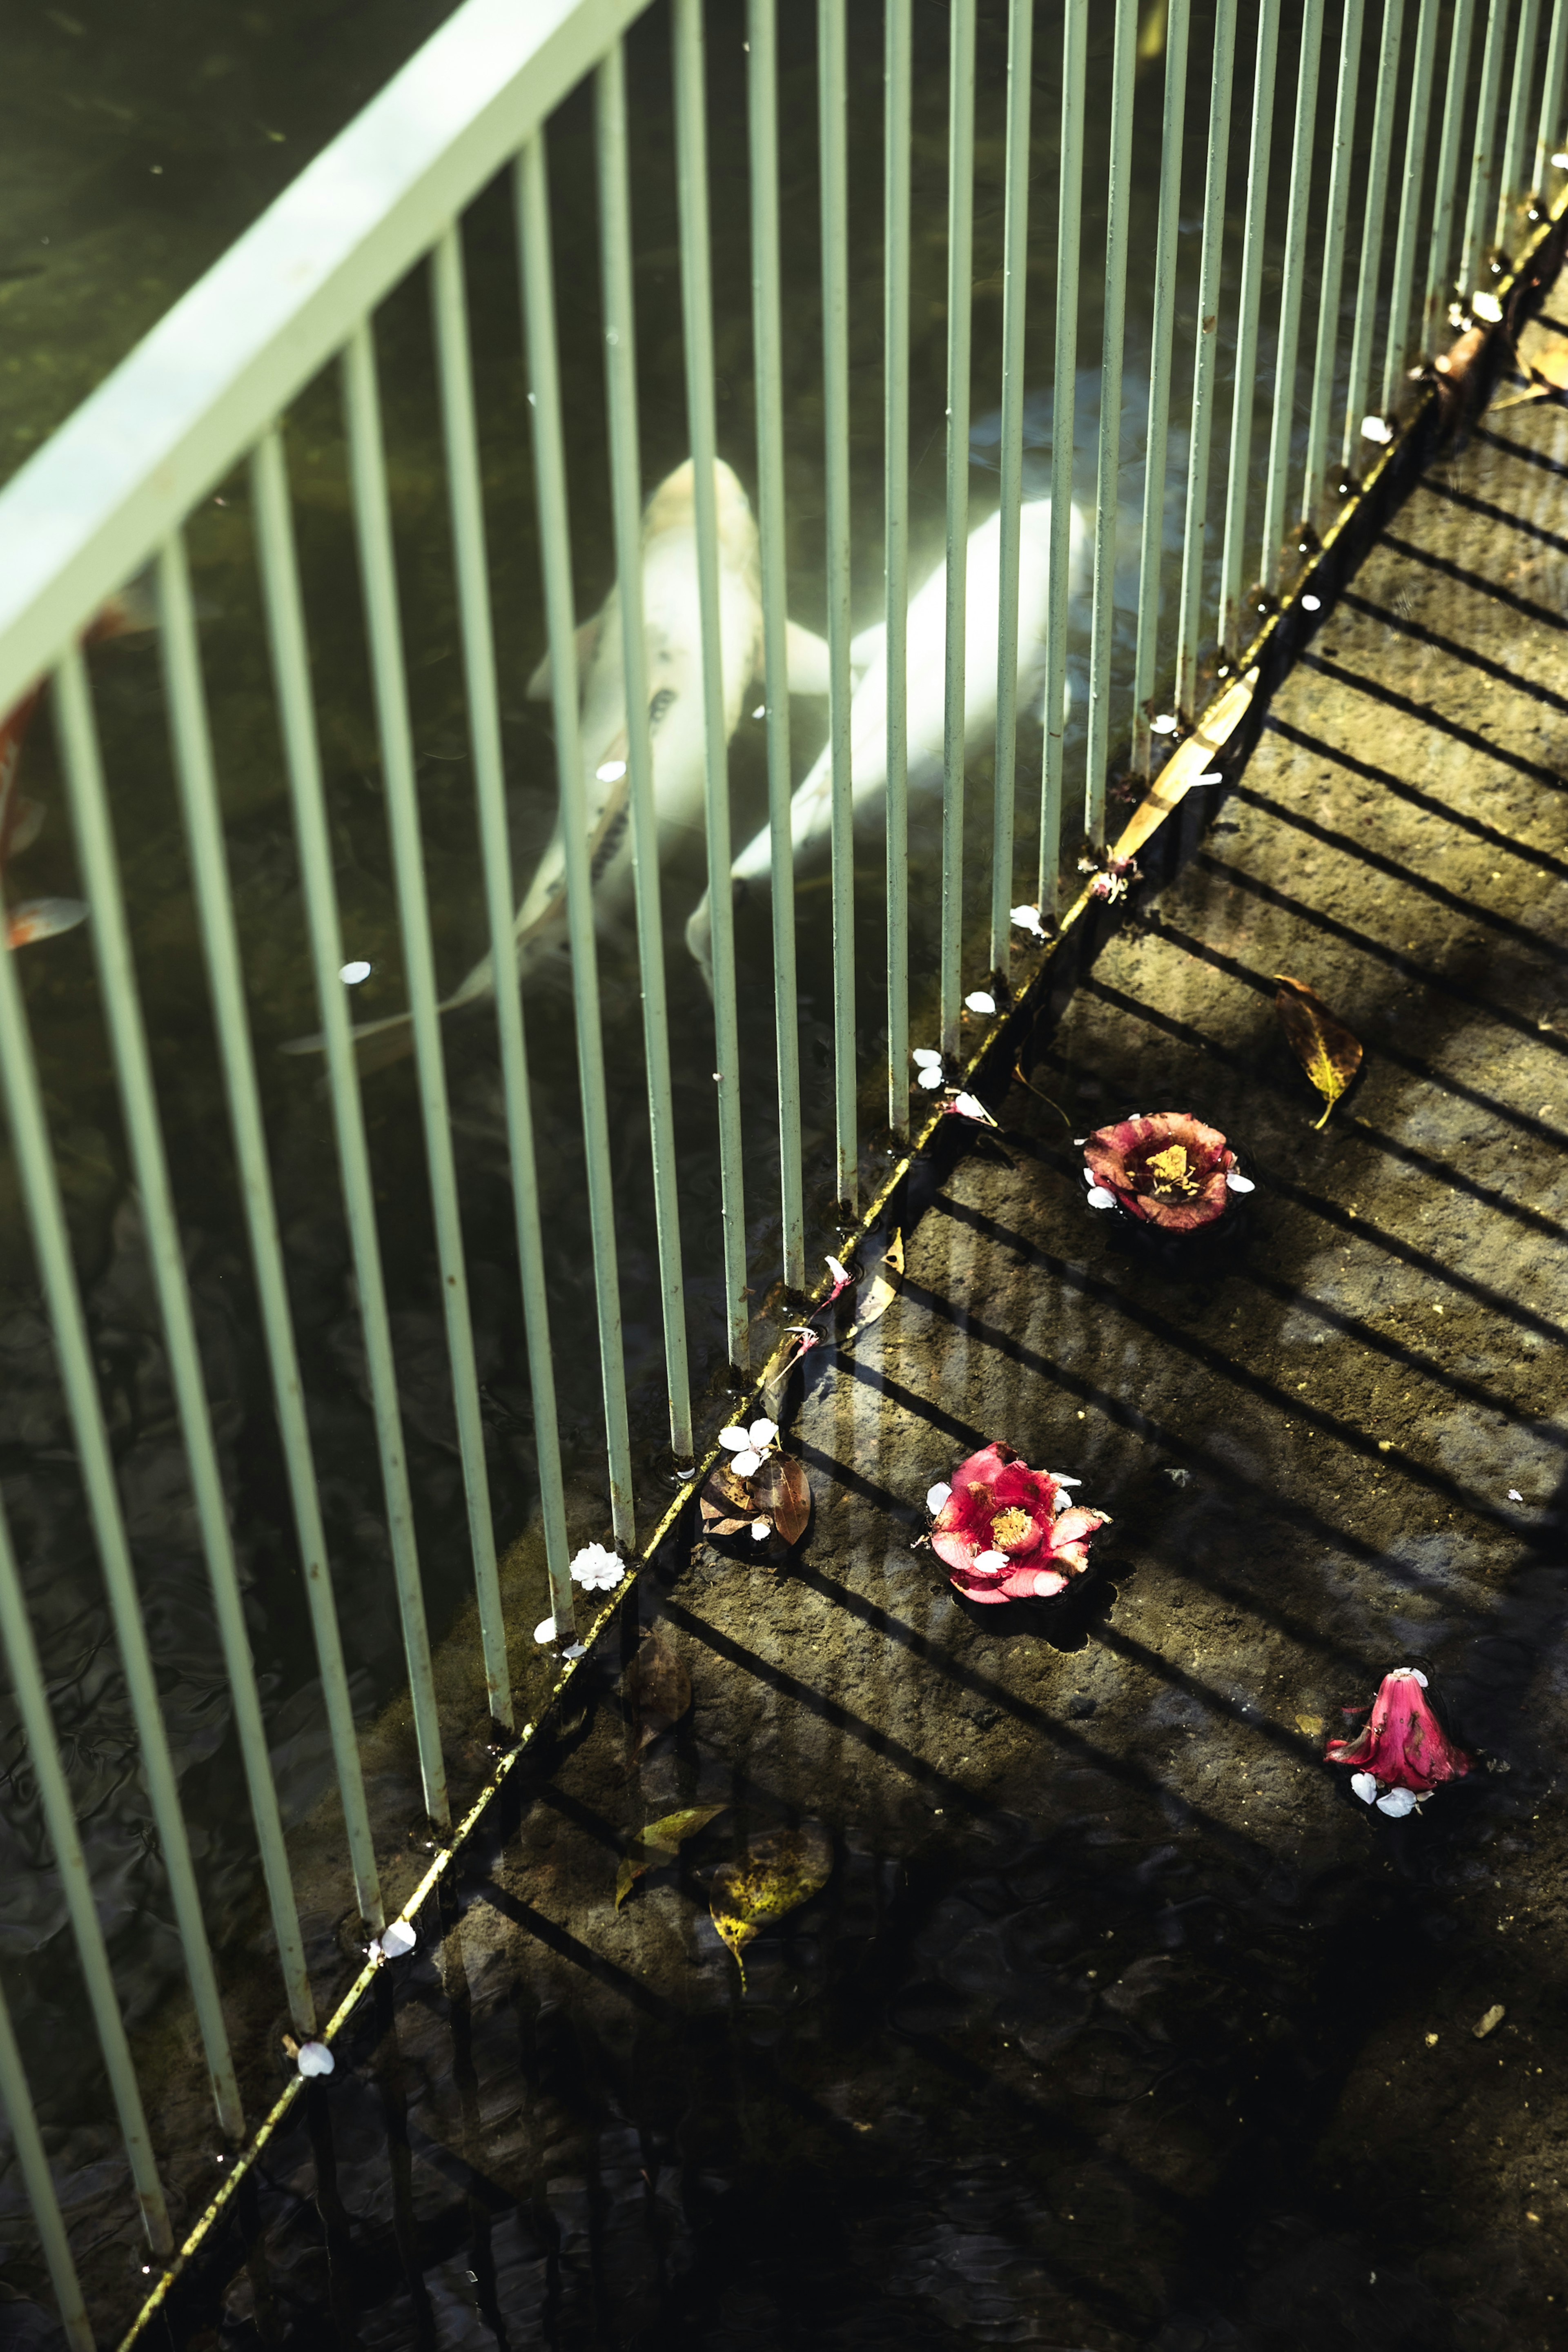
{"points": [[960, 275], [1287, 347], [1546, 138], [1512, 191], [302, 758], [1106, 503], [1445, 194], [1233, 554], [1333, 261], [191, 739], [133, 1071], [898, 75], [21, 1656], [1398, 348], [1367, 309], [1014, 307], [767, 332], [467, 499], [378, 585], [1064, 404], [51, 1244], [16, 2101], [697, 324], [555, 544], [1195, 541], [1157, 442], [832, 147], [1485, 158]]}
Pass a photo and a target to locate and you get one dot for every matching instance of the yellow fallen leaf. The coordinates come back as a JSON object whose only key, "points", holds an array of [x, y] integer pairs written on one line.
{"points": [[1190, 761], [780, 1871], [1328, 1052], [660, 1841], [879, 1285]]}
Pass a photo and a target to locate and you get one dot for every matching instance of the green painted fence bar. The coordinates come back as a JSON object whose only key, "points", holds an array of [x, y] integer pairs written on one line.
{"points": [[191, 743], [833, 131], [1512, 193], [1439, 281], [1108, 471], [1235, 629], [897, 76], [378, 583], [555, 561], [1550, 133], [696, 326], [1015, 293], [1364, 331], [83, 768], [463, 484], [301, 750], [16, 2103], [60, 1822], [1204, 363], [767, 335], [1486, 158], [960, 274], [1064, 382], [1326, 354], [1288, 346], [115, 491], [1398, 347], [1167, 262]]}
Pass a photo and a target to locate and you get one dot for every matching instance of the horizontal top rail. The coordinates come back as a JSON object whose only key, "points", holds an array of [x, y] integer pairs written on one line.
{"points": [[95, 501]]}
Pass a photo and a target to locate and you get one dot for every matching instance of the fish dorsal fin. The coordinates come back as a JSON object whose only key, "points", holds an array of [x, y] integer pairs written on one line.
{"points": [[541, 686]]}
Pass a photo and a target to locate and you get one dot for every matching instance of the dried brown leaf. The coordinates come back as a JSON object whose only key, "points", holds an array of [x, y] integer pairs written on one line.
{"points": [[879, 1285], [780, 1492], [657, 1687], [780, 1871], [661, 1841], [725, 1504], [1328, 1052]]}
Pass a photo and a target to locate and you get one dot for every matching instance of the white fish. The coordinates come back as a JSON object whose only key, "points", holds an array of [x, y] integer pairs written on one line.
{"points": [[811, 810], [673, 636]]}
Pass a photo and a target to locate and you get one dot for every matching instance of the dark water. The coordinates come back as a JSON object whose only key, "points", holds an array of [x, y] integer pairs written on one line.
{"points": [[207, 115]]}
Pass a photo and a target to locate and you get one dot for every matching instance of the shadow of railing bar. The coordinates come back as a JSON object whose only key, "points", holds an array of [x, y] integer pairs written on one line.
{"points": [[1219, 1365], [1549, 951], [1425, 716], [1395, 958], [1489, 512], [1493, 835], [1492, 439], [1463, 577]]}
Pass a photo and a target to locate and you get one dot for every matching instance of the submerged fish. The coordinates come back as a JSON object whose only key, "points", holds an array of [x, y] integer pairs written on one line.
{"points": [[673, 637], [21, 820], [811, 810]]}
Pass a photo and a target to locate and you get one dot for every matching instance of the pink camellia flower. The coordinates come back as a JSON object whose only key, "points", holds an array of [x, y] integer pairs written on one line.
{"points": [[1404, 1753], [1006, 1532], [1169, 1170]]}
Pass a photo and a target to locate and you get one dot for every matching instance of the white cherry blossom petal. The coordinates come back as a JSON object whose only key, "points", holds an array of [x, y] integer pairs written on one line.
{"points": [[545, 1630], [315, 2058], [992, 1562], [930, 1076], [926, 1057], [396, 1941], [970, 1107], [743, 1464], [1098, 1198], [1027, 919], [761, 1530], [762, 1433], [1396, 1803], [937, 1497], [1366, 1787], [1239, 1184], [980, 1000]]}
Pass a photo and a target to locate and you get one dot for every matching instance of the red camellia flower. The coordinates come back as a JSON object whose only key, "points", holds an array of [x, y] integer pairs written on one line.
{"points": [[1404, 1753], [1006, 1532], [1169, 1170]]}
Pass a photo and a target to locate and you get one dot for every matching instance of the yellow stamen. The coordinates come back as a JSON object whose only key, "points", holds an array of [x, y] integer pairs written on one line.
{"points": [[1171, 1172], [1009, 1528]]}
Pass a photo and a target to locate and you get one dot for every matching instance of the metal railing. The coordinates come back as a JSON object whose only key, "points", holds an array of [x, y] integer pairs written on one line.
{"points": [[1362, 173]]}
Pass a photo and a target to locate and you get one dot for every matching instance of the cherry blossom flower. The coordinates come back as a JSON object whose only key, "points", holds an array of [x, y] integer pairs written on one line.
{"points": [[746, 1448], [1169, 1170], [1404, 1753], [1006, 1532], [842, 1278], [968, 1107], [1027, 919], [597, 1569]]}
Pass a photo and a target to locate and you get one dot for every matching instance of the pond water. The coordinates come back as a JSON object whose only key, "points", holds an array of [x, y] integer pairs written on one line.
{"points": [[203, 120]]}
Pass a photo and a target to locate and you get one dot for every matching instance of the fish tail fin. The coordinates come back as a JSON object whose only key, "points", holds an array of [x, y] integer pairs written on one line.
{"points": [[42, 918], [376, 1044]]}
